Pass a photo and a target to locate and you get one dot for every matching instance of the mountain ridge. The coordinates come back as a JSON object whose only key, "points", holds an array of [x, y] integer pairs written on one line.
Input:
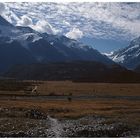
{"points": [[44, 48]]}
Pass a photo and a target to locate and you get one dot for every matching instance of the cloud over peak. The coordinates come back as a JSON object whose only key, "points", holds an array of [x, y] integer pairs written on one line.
{"points": [[25, 21], [75, 33], [44, 26]]}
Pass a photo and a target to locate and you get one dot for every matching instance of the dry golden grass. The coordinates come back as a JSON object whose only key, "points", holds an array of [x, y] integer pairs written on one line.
{"points": [[121, 109], [66, 87]]}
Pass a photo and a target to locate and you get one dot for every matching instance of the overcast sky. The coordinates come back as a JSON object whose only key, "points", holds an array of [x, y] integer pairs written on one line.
{"points": [[107, 21]]}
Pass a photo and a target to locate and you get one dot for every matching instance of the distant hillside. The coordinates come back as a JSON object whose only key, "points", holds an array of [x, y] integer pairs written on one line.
{"points": [[88, 71], [137, 69]]}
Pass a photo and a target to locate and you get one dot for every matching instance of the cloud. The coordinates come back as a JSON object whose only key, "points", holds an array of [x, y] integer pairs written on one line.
{"points": [[75, 33], [99, 20], [43, 26], [6, 12], [2, 8], [25, 21], [66, 23]]}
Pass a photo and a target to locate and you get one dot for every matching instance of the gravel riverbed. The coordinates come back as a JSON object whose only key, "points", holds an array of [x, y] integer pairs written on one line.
{"points": [[36, 124]]}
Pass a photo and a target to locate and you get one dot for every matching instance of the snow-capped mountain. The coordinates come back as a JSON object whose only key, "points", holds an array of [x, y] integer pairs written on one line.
{"points": [[129, 56], [23, 45]]}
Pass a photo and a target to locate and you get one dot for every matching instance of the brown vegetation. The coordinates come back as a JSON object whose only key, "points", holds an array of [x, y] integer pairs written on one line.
{"points": [[120, 109], [66, 87], [53, 88], [127, 110]]}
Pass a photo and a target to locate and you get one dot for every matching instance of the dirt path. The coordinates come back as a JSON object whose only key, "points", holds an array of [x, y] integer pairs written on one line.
{"points": [[55, 127]]}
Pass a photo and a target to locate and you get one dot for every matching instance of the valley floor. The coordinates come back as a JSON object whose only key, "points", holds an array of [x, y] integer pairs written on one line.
{"points": [[108, 115]]}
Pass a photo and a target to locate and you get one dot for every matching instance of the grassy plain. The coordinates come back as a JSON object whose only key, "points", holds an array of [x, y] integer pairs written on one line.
{"points": [[127, 110], [66, 87]]}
